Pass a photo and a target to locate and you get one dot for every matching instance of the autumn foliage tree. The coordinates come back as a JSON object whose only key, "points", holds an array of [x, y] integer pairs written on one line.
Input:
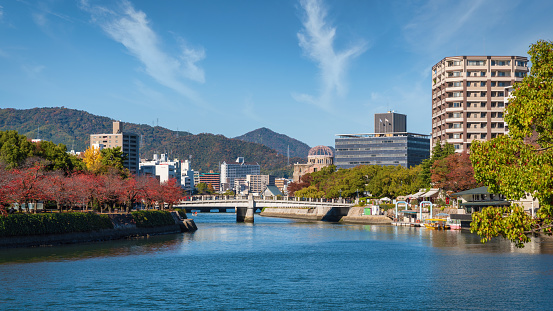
{"points": [[454, 173], [521, 163]]}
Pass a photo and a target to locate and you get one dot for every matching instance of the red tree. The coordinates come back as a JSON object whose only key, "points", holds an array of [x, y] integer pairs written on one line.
{"points": [[454, 173], [171, 192], [25, 187]]}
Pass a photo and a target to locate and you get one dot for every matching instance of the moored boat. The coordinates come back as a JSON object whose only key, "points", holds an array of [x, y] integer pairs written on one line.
{"points": [[436, 224]]}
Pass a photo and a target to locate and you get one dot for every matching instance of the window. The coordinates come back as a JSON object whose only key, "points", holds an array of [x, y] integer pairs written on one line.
{"points": [[457, 146], [476, 63], [520, 74], [482, 114], [483, 104], [482, 83], [456, 105], [457, 94], [457, 63], [520, 63], [501, 62], [456, 136], [482, 94], [457, 115], [457, 83], [455, 74], [456, 125], [493, 84], [502, 83], [482, 136], [482, 73]]}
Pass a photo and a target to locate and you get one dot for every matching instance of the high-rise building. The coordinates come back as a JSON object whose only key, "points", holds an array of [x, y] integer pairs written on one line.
{"points": [[238, 169], [128, 142], [468, 97], [384, 147]]}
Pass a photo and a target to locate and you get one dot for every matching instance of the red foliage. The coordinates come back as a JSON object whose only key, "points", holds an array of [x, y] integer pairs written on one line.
{"points": [[454, 173], [32, 185], [171, 192]]}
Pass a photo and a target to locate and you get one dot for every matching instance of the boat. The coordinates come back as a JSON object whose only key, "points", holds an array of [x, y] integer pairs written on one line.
{"points": [[436, 224], [454, 224]]}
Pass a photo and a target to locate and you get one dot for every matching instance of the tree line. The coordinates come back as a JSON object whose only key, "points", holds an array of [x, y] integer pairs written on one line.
{"points": [[445, 169], [42, 171]]}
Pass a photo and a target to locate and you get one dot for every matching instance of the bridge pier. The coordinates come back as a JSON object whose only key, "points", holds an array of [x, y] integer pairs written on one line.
{"points": [[245, 214]]}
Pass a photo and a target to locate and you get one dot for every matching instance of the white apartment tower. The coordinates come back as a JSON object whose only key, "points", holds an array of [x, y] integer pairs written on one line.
{"points": [[468, 97]]}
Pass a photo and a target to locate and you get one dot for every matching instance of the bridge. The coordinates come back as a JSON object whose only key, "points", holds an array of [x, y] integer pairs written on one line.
{"points": [[245, 207]]}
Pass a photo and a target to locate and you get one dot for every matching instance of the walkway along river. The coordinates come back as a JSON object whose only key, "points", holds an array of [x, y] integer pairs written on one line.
{"points": [[280, 264]]}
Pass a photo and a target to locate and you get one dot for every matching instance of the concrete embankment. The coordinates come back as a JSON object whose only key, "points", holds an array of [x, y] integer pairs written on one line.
{"points": [[353, 216], [123, 227], [356, 216]]}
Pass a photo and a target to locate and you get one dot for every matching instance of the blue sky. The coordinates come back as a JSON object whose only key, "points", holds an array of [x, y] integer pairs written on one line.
{"points": [[308, 69]]}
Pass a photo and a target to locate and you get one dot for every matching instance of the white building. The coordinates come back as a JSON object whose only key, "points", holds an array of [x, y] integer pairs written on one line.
{"points": [[164, 169], [239, 169]]}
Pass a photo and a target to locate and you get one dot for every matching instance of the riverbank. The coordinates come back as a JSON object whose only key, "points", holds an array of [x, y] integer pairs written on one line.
{"points": [[353, 216], [123, 227]]}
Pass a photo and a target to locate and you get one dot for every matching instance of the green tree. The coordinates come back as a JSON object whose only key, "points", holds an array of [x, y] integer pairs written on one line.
{"points": [[522, 162], [14, 148]]}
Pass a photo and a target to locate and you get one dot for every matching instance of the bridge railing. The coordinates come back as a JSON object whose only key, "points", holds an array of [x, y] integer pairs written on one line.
{"points": [[265, 198]]}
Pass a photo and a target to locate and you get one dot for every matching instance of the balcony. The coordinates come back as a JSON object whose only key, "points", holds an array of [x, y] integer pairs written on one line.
{"points": [[454, 130]]}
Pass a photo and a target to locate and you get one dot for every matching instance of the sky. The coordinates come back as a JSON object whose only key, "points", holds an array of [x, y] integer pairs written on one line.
{"points": [[309, 69]]}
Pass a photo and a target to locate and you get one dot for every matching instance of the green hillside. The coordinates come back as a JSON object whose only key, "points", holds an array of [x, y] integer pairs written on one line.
{"points": [[73, 127], [276, 141]]}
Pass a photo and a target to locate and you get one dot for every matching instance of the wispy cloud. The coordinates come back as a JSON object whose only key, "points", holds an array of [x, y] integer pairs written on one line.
{"points": [[33, 71], [249, 109], [317, 41], [131, 28]]}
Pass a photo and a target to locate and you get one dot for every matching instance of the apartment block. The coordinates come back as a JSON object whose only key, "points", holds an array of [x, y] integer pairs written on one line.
{"points": [[128, 142], [258, 183], [468, 97]]}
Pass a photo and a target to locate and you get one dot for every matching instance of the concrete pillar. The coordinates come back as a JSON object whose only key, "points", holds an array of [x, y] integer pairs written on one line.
{"points": [[245, 214]]}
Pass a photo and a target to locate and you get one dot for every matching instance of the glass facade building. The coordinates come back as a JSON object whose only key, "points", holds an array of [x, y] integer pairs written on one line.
{"points": [[405, 149]]}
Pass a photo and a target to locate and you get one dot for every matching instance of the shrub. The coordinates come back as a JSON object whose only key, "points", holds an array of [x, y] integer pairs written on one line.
{"points": [[150, 219], [52, 223]]}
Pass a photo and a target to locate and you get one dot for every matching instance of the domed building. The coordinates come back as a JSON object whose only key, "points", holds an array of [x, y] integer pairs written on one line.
{"points": [[318, 157]]}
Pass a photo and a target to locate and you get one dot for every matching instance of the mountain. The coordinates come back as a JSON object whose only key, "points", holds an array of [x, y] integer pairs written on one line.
{"points": [[276, 141], [73, 128]]}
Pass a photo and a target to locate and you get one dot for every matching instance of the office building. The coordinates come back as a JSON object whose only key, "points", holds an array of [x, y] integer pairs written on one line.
{"points": [[128, 142], [161, 168], [468, 97], [211, 178], [237, 169], [382, 147]]}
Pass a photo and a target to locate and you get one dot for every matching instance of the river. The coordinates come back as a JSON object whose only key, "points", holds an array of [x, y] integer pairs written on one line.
{"points": [[280, 264]]}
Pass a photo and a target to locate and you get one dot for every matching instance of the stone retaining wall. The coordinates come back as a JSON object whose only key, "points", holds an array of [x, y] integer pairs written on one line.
{"points": [[123, 228]]}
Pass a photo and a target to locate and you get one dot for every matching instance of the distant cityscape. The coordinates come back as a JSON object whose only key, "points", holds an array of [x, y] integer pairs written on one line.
{"points": [[469, 96]]}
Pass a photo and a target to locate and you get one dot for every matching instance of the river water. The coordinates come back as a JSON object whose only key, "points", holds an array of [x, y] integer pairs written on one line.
{"points": [[280, 264]]}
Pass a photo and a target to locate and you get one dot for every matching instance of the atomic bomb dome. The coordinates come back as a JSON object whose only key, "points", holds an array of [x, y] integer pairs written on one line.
{"points": [[321, 151], [318, 157]]}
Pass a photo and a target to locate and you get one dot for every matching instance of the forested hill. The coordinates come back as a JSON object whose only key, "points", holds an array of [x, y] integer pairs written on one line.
{"points": [[73, 128], [276, 141]]}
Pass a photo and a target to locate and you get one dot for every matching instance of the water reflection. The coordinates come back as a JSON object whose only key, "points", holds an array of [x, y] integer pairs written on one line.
{"points": [[135, 246], [460, 240]]}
